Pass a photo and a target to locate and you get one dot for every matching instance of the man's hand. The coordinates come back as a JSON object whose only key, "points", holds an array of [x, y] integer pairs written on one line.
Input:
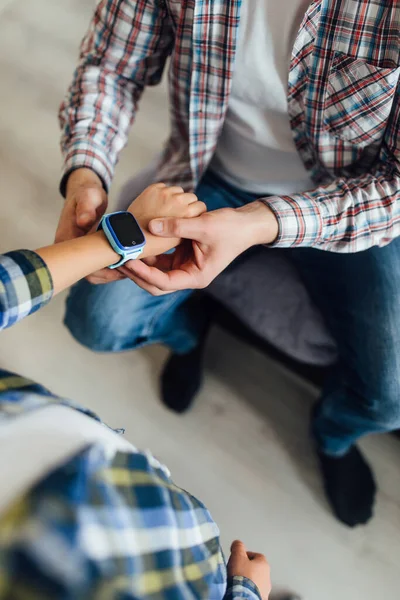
{"points": [[85, 204], [251, 565], [211, 242]]}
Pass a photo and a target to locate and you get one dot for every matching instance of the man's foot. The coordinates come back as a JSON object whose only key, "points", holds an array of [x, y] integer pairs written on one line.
{"points": [[181, 379], [350, 486]]}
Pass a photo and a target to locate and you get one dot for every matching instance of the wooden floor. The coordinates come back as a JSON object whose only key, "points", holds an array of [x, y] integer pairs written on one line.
{"points": [[244, 449]]}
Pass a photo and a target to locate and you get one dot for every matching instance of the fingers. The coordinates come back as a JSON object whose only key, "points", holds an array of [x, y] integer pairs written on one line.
{"points": [[90, 206], [190, 229], [86, 202], [201, 206], [252, 565], [179, 195], [187, 198], [67, 228], [149, 277], [256, 556], [195, 209], [238, 558], [151, 261], [172, 190], [164, 262], [176, 190], [105, 276], [151, 289], [164, 282], [238, 548]]}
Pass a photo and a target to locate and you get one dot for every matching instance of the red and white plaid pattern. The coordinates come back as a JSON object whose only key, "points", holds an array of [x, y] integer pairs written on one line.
{"points": [[343, 98]]}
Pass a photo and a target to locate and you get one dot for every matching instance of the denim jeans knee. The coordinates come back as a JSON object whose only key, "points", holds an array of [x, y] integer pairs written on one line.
{"points": [[105, 318], [121, 316]]}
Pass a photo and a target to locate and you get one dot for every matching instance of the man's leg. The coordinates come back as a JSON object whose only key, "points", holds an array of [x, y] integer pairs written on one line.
{"points": [[182, 374], [359, 296], [121, 316]]}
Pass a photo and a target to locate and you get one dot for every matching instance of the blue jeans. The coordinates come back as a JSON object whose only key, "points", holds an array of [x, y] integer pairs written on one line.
{"points": [[358, 295]]}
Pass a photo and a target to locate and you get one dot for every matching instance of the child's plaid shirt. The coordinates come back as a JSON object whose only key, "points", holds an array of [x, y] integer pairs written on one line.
{"points": [[99, 526]]}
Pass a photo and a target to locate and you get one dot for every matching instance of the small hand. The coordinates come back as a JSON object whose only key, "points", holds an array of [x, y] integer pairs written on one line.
{"points": [[211, 242], [251, 565], [157, 200]]}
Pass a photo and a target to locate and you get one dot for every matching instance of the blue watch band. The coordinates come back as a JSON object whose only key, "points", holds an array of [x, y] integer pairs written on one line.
{"points": [[126, 252]]}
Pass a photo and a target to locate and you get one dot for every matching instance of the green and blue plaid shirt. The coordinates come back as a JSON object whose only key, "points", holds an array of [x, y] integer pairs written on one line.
{"points": [[99, 526]]}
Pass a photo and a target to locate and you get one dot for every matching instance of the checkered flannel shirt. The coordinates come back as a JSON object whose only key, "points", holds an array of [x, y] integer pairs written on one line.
{"points": [[343, 103], [99, 526]]}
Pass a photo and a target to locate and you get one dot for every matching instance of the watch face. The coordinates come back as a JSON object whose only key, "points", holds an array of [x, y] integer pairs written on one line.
{"points": [[126, 230]]}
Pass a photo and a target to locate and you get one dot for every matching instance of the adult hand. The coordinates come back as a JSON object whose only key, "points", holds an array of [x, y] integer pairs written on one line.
{"points": [[85, 203], [211, 242], [251, 565]]}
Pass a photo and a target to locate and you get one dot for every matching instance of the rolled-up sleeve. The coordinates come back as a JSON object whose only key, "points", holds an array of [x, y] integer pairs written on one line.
{"points": [[25, 286]]}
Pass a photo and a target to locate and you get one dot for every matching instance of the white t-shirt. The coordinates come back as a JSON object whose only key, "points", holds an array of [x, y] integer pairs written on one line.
{"points": [[256, 151]]}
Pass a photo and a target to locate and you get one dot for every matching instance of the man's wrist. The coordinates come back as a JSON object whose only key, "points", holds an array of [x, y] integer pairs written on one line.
{"points": [[259, 223], [82, 177]]}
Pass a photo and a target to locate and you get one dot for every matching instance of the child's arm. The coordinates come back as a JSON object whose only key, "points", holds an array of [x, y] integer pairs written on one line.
{"points": [[29, 279], [72, 260]]}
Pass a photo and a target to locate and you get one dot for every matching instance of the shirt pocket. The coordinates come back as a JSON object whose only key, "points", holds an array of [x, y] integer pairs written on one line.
{"points": [[359, 100]]}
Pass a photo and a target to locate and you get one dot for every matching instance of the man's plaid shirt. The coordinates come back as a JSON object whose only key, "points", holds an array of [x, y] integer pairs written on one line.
{"points": [[343, 100], [99, 526]]}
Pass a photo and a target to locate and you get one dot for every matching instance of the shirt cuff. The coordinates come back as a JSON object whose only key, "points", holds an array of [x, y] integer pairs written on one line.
{"points": [[300, 221], [25, 286], [84, 154], [241, 588]]}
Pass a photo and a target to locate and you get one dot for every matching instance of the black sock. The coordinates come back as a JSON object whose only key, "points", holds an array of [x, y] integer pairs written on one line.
{"points": [[181, 379], [350, 486]]}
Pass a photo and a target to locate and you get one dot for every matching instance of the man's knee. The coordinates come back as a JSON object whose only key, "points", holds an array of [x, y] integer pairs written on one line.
{"points": [[106, 318]]}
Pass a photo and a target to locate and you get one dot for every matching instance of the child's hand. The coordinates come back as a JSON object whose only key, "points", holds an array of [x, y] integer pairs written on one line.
{"points": [[158, 200], [251, 565]]}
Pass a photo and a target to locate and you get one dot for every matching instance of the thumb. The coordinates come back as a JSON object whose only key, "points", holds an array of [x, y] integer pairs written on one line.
{"points": [[238, 558], [190, 229], [238, 549], [89, 203]]}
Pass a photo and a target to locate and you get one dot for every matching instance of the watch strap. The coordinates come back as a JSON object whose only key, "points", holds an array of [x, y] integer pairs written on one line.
{"points": [[124, 256], [124, 259]]}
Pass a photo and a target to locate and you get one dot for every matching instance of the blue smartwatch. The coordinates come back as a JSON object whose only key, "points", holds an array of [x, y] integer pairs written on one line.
{"points": [[124, 235]]}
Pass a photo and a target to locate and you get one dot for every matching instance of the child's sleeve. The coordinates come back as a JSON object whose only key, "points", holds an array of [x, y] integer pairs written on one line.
{"points": [[241, 588], [25, 286]]}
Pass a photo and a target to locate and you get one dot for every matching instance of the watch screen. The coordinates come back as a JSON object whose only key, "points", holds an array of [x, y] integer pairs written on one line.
{"points": [[126, 230]]}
